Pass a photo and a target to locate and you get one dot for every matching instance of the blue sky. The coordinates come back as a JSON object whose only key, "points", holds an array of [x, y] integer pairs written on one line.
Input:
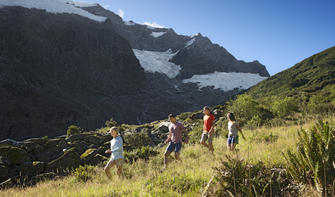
{"points": [[277, 33]]}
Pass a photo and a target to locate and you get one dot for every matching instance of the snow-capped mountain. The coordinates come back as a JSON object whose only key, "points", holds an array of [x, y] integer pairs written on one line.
{"points": [[65, 62]]}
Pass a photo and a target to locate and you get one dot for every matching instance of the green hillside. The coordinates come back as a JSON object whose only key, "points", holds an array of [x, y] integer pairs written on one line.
{"points": [[314, 75], [298, 93]]}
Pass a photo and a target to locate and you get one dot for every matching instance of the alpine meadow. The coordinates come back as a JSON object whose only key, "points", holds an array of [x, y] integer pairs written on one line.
{"points": [[96, 105]]}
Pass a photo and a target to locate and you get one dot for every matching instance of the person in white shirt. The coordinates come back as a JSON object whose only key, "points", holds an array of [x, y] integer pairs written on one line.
{"points": [[116, 152]]}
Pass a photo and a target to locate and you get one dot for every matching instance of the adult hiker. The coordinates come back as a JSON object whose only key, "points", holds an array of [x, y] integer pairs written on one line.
{"points": [[233, 129], [116, 152], [176, 129], [208, 129]]}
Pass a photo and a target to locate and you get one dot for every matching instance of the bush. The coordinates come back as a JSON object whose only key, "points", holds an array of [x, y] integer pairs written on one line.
{"points": [[313, 163], [84, 173], [235, 177], [72, 130], [140, 153], [248, 110], [284, 107], [134, 140], [111, 123]]}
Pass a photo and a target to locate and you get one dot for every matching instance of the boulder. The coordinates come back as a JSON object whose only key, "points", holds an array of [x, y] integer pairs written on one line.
{"points": [[41, 177], [93, 139], [56, 142], [92, 157], [9, 142], [32, 168], [7, 184], [70, 159], [77, 137], [32, 147], [80, 146], [48, 154], [15, 155]]}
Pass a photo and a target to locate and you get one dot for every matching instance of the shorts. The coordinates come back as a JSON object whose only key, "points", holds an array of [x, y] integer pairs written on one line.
{"points": [[176, 147], [232, 140], [206, 136], [117, 162]]}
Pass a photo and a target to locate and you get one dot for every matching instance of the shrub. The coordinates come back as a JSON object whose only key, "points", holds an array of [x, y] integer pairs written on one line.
{"points": [[313, 162], [235, 177], [140, 153], [284, 107], [72, 130], [111, 123], [84, 173], [135, 140]]}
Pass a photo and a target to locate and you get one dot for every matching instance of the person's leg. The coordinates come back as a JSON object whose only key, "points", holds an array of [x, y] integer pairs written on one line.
{"points": [[167, 153], [203, 140], [120, 168], [210, 143], [107, 168], [177, 151]]}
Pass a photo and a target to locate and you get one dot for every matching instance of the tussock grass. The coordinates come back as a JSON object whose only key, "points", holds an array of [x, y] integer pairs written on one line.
{"points": [[188, 178]]}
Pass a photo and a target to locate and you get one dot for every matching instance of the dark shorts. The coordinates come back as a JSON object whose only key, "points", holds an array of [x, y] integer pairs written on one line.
{"points": [[176, 147], [206, 136], [232, 140]]}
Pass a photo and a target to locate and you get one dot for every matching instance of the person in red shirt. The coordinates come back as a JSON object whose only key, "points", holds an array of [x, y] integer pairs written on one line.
{"points": [[207, 134]]}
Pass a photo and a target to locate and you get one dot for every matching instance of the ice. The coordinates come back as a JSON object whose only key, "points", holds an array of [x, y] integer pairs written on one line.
{"points": [[53, 6], [190, 42], [157, 34], [154, 61], [226, 81]]}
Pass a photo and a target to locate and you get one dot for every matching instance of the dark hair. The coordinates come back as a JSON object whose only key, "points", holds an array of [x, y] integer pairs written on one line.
{"points": [[231, 116], [207, 108], [171, 116]]}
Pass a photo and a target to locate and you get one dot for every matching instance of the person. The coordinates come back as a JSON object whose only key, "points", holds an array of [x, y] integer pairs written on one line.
{"points": [[116, 152], [176, 129], [208, 129], [233, 129]]}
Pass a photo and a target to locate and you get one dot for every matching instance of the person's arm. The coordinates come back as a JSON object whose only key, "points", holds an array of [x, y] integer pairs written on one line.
{"points": [[212, 128], [239, 129], [169, 138]]}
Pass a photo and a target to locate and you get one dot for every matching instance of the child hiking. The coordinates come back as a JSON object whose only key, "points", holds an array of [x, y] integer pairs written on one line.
{"points": [[233, 129], [176, 129], [116, 152], [208, 130]]}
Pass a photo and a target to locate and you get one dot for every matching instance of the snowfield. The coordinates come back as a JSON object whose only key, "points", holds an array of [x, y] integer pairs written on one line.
{"points": [[189, 43], [154, 61], [82, 4], [129, 23], [157, 34], [54, 6], [226, 81]]}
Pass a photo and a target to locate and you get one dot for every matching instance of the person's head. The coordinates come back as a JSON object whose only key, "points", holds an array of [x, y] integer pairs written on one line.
{"points": [[206, 110], [231, 117], [172, 118], [114, 132]]}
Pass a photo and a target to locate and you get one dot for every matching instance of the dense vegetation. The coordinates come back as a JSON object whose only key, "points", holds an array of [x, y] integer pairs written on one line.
{"points": [[296, 94]]}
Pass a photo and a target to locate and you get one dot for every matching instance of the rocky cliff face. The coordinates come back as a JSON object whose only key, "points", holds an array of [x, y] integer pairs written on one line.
{"points": [[195, 54], [57, 70], [73, 67]]}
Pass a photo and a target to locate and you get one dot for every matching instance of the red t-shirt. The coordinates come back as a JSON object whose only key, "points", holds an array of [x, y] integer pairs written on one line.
{"points": [[208, 122]]}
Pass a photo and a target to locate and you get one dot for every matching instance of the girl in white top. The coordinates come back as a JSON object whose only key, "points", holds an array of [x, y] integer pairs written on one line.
{"points": [[233, 129]]}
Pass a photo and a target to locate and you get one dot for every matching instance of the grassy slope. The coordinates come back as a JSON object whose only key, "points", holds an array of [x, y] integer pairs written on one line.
{"points": [[314, 75], [193, 173]]}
